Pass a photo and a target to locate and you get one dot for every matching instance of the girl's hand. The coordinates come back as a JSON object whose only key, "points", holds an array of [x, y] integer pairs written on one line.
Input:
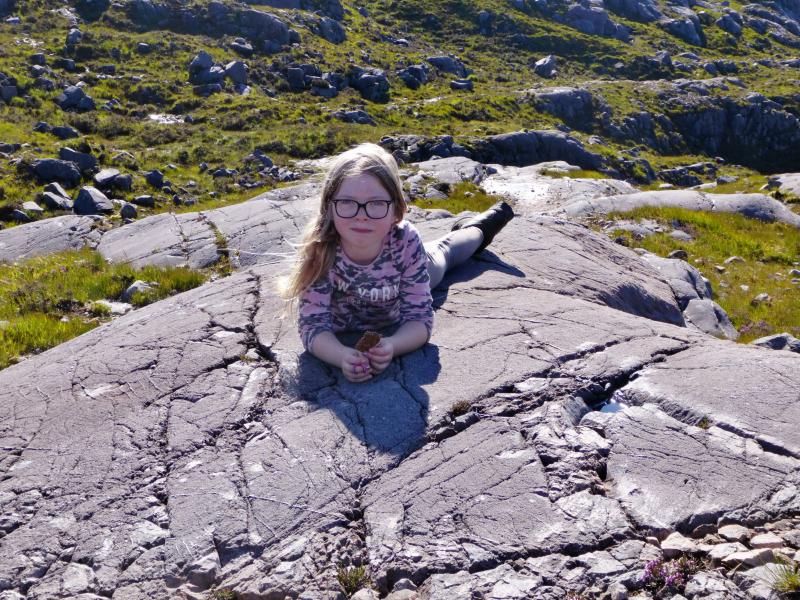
{"points": [[380, 356], [355, 366]]}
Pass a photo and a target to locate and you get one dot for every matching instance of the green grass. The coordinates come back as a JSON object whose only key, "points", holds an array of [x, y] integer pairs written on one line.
{"points": [[48, 300], [769, 250], [784, 578], [460, 197], [352, 579]]}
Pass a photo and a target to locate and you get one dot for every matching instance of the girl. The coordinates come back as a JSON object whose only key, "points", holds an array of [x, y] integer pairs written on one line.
{"points": [[361, 266]]}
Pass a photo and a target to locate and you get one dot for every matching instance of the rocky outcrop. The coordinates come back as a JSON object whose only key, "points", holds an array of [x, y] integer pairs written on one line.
{"points": [[70, 232], [757, 206], [265, 31], [524, 148], [209, 452]]}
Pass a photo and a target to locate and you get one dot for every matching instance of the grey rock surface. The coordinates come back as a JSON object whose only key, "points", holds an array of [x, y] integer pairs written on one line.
{"points": [[535, 192], [48, 236], [191, 444], [757, 206], [162, 240]]}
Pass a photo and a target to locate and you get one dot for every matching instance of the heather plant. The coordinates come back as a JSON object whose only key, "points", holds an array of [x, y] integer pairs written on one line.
{"points": [[351, 579], [663, 579]]}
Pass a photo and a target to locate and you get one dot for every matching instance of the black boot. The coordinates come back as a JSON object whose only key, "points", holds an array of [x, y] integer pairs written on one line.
{"points": [[489, 222]]}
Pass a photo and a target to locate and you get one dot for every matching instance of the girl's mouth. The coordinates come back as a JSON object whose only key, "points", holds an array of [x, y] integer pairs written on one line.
{"points": [[360, 230]]}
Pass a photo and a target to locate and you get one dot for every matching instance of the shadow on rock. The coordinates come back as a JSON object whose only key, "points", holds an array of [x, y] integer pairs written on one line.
{"points": [[470, 270], [388, 413]]}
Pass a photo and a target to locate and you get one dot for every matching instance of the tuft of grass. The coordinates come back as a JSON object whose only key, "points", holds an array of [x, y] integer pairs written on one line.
{"points": [[351, 579], [784, 577], [48, 300], [461, 197], [460, 407], [223, 594], [704, 423], [769, 250]]}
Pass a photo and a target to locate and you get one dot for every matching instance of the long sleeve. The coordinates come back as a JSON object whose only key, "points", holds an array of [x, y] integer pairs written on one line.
{"points": [[416, 303], [314, 311]]}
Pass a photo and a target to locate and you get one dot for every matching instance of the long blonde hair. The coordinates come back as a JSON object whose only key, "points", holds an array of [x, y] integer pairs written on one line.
{"points": [[317, 249]]}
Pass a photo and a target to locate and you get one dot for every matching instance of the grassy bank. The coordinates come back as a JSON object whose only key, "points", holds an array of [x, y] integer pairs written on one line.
{"points": [[768, 253], [48, 300]]}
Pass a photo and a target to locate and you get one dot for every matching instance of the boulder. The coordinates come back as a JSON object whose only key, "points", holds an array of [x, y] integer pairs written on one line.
{"points": [[61, 171], [371, 83], [332, 30], [449, 64], [545, 67], [359, 117], [779, 341], [84, 161], [236, 71], [202, 61], [644, 11], [524, 148], [91, 201], [466, 85], [594, 20], [74, 98], [687, 28], [64, 132], [414, 76], [574, 106]]}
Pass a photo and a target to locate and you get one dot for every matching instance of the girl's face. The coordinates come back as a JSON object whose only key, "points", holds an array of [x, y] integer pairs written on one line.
{"points": [[362, 236]]}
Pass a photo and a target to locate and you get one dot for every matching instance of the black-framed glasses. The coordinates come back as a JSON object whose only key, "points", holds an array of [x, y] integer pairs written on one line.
{"points": [[374, 209]]}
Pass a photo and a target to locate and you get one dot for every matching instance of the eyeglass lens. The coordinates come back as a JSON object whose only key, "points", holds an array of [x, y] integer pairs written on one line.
{"points": [[375, 209]]}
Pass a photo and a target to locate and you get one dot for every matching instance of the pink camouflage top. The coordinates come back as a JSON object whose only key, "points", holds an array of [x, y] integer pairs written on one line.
{"points": [[392, 289]]}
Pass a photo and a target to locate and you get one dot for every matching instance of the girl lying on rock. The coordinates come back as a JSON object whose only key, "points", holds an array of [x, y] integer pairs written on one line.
{"points": [[362, 267]]}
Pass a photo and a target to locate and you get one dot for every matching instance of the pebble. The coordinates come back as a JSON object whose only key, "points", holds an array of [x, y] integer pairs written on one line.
{"points": [[734, 259], [720, 552], [734, 533], [750, 558], [679, 254], [676, 545], [766, 540], [761, 298], [719, 268]]}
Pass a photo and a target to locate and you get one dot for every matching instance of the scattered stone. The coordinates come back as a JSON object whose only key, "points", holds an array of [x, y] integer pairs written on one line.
{"points": [[734, 533], [677, 545], [91, 201], [762, 298], [720, 552], [143, 48], [242, 46], [359, 117], [750, 558], [780, 341], [106, 177], [462, 85], [115, 308], [136, 287], [679, 254], [74, 98], [61, 171], [31, 207], [128, 211], [155, 178], [145, 200], [236, 71], [85, 162], [546, 67], [766, 540]]}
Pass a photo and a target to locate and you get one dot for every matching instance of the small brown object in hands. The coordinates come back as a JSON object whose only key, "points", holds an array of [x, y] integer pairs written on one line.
{"points": [[369, 340]]}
